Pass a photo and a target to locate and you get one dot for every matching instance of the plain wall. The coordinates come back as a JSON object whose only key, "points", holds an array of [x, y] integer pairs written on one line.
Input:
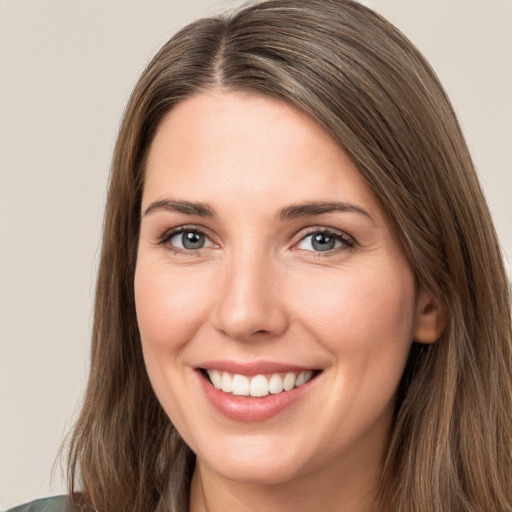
{"points": [[66, 70]]}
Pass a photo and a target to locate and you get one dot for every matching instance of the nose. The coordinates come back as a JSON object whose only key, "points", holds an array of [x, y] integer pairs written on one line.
{"points": [[250, 304]]}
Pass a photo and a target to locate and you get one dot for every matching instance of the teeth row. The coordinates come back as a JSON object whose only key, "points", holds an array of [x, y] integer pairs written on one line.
{"points": [[259, 385]]}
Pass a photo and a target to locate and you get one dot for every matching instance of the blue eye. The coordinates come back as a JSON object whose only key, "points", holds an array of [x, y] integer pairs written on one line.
{"points": [[188, 240], [322, 241]]}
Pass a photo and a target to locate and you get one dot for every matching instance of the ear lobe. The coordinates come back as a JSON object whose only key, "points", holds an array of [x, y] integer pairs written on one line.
{"points": [[430, 319]]}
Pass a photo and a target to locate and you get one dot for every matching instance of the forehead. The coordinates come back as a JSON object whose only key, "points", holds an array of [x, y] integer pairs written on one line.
{"points": [[247, 148]]}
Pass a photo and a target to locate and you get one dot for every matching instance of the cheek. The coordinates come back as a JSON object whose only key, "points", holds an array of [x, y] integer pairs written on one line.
{"points": [[168, 304], [169, 312], [364, 319], [361, 315]]}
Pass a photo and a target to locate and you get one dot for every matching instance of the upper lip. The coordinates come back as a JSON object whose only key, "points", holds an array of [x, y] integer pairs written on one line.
{"points": [[253, 368]]}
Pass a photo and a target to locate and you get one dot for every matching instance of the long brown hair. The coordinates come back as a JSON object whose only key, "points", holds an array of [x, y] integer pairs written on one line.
{"points": [[367, 85]]}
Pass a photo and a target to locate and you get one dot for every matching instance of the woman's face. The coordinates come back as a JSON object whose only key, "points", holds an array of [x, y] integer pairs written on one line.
{"points": [[265, 262]]}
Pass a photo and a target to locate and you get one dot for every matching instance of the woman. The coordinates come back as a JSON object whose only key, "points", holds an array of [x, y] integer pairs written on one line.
{"points": [[301, 301]]}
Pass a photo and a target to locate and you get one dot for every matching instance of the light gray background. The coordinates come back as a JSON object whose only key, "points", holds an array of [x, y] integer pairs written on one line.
{"points": [[66, 70]]}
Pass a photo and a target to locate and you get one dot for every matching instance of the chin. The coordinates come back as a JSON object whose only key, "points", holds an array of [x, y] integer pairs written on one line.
{"points": [[256, 460]]}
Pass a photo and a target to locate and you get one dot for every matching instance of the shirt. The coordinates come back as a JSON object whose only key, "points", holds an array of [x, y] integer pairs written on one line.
{"points": [[54, 504]]}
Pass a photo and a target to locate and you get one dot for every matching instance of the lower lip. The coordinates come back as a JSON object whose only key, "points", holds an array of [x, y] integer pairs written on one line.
{"points": [[249, 409]]}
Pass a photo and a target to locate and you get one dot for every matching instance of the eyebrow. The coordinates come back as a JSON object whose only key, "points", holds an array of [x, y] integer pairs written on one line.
{"points": [[293, 211], [318, 208], [185, 207]]}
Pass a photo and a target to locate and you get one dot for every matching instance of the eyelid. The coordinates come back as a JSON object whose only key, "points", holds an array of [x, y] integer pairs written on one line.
{"points": [[347, 240], [170, 233]]}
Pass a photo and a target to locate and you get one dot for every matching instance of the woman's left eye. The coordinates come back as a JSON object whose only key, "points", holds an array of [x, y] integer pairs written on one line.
{"points": [[323, 241]]}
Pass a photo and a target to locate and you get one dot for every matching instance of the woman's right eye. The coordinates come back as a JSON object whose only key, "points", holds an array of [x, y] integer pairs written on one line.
{"points": [[187, 240]]}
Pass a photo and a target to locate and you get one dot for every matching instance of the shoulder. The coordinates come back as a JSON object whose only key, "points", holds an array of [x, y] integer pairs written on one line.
{"points": [[54, 504]]}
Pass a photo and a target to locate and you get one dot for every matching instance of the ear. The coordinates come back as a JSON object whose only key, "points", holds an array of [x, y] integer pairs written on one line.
{"points": [[430, 319]]}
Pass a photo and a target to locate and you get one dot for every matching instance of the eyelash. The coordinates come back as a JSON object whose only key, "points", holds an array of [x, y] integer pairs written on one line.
{"points": [[347, 241], [168, 235]]}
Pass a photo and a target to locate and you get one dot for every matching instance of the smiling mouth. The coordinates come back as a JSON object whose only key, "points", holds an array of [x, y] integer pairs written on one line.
{"points": [[257, 386]]}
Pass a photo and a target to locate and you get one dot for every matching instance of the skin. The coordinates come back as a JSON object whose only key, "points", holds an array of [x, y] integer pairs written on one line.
{"points": [[259, 291]]}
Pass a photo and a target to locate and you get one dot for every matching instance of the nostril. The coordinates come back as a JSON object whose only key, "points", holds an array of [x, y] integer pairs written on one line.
{"points": [[261, 331], [248, 306]]}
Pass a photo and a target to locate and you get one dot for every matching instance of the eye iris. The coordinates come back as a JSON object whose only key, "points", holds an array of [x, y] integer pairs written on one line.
{"points": [[322, 242], [192, 240]]}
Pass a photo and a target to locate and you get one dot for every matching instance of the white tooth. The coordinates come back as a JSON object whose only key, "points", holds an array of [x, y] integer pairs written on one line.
{"points": [[240, 385], [215, 378], [301, 379], [259, 386], [307, 376], [289, 381], [275, 384], [227, 382]]}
